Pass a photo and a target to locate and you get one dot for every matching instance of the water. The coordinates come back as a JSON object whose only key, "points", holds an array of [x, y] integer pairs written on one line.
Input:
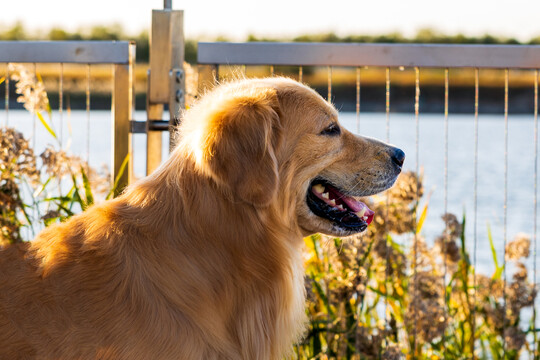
{"points": [[461, 169], [75, 137], [402, 134]]}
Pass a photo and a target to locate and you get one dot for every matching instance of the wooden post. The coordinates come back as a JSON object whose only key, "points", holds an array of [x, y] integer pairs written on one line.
{"points": [[153, 138], [122, 112], [166, 82]]}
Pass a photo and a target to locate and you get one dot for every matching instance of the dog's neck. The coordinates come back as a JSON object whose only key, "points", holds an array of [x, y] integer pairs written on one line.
{"points": [[200, 204], [246, 249]]}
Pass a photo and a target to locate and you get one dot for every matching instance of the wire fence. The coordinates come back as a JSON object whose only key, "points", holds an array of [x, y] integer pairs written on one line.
{"points": [[498, 182], [113, 64], [467, 64], [47, 89]]}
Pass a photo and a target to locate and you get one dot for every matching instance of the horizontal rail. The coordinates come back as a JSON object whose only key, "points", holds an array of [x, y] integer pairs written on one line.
{"points": [[81, 52], [142, 127], [334, 54]]}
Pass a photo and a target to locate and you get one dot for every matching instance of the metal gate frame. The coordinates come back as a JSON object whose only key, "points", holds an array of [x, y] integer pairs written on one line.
{"points": [[121, 54], [166, 82]]}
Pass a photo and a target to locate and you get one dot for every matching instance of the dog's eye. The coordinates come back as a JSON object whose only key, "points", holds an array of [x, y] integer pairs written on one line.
{"points": [[332, 130]]}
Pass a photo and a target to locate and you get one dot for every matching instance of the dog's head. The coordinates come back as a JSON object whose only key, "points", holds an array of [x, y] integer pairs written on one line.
{"points": [[275, 143]]}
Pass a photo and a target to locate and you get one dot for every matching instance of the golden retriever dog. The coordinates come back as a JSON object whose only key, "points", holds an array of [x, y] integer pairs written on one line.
{"points": [[203, 258]]}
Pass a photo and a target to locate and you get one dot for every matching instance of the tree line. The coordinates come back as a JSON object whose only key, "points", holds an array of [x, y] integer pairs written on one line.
{"points": [[116, 32]]}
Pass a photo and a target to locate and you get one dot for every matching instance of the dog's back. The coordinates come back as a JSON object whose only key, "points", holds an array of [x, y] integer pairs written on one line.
{"points": [[107, 284], [41, 298], [66, 294], [18, 286]]}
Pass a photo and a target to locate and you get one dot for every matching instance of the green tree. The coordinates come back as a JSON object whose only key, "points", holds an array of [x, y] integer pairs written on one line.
{"points": [[102, 32], [17, 32], [60, 34]]}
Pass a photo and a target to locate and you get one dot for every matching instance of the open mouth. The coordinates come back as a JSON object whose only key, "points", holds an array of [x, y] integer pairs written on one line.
{"points": [[327, 201]]}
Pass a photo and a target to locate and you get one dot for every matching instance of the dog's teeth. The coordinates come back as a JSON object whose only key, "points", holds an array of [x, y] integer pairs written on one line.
{"points": [[340, 207], [318, 188], [332, 202], [361, 213], [326, 195]]}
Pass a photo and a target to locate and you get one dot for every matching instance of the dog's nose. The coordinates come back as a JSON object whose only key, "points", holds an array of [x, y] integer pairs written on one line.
{"points": [[398, 157]]}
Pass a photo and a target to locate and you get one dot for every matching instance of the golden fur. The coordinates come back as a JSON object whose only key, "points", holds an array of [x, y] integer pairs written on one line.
{"points": [[201, 259]]}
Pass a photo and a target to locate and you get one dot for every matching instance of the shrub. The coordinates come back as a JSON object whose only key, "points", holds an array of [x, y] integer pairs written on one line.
{"points": [[368, 297]]}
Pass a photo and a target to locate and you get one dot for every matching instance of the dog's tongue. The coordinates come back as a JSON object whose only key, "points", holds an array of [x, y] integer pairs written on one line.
{"points": [[354, 204], [331, 196], [359, 208]]}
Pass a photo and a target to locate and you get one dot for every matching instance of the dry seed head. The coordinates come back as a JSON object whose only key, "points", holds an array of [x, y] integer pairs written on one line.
{"points": [[31, 90], [392, 352], [16, 157], [514, 338], [519, 247]]}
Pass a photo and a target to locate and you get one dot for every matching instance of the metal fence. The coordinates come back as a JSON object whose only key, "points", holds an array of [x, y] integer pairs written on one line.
{"points": [[119, 54], [393, 58]]}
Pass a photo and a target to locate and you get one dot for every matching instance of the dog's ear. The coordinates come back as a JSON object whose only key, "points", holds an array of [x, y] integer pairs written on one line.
{"points": [[241, 137]]}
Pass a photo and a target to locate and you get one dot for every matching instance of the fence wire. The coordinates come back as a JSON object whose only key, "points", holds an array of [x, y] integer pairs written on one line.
{"points": [[535, 204], [447, 145]]}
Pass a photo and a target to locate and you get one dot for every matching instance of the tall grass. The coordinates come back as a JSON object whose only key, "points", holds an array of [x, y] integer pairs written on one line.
{"points": [[38, 190], [370, 297]]}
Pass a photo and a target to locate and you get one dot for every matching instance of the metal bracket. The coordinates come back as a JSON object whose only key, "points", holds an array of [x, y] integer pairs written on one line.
{"points": [[177, 97], [142, 127]]}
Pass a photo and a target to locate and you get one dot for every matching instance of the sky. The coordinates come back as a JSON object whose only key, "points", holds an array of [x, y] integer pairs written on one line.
{"points": [[235, 19]]}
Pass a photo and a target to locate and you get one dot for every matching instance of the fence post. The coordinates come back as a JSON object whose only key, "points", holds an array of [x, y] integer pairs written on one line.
{"points": [[176, 76], [165, 78], [122, 111], [153, 138]]}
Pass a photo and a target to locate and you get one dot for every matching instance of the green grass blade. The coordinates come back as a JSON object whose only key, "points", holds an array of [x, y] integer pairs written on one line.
{"points": [[59, 201], [315, 241], [87, 188], [40, 80], [394, 245], [41, 188], [118, 177], [49, 129], [492, 245], [23, 209], [38, 77], [68, 212], [338, 243], [380, 293], [49, 111], [423, 215], [498, 273], [464, 253], [76, 197], [422, 219], [322, 295], [362, 261]]}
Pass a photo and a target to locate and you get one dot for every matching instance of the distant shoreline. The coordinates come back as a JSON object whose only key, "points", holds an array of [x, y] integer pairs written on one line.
{"points": [[372, 99]]}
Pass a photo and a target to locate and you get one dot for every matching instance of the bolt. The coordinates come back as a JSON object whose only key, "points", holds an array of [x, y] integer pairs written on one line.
{"points": [[179, 76], [179, 95]]}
